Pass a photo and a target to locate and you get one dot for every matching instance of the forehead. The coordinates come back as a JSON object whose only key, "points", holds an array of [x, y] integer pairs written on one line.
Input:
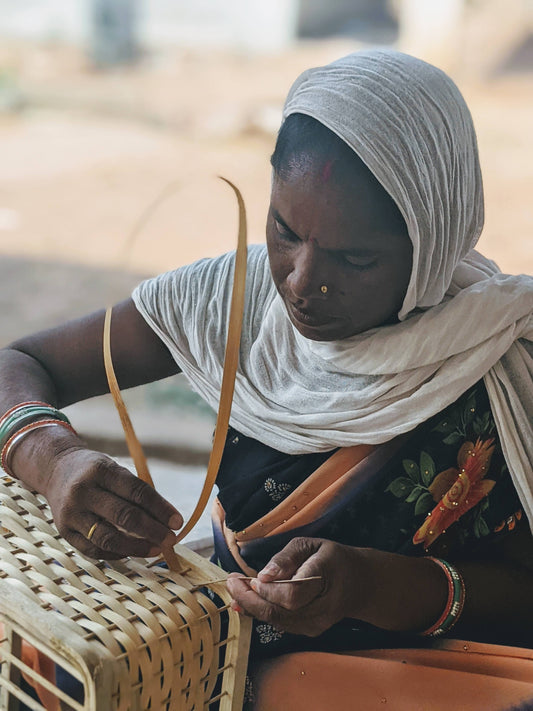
{"points": [[338, 206]]}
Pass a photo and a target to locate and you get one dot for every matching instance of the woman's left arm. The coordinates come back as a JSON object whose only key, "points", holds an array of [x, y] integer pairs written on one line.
{"points": [[391, 591]]}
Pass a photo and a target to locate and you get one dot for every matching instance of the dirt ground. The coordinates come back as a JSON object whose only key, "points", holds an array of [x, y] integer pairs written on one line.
{"points": [[85, 154]]}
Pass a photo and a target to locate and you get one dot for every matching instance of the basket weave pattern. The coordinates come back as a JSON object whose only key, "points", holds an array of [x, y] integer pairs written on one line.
{"points": [[136, 635]]}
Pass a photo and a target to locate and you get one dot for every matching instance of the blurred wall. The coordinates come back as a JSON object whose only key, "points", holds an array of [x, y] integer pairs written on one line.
{"points": [[463, 36], [432, 30], [317, 18], [251, 24], [44, 19]]}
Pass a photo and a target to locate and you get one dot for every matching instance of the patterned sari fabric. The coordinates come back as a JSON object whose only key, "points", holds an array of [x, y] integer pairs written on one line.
{"points": [[442, 490]]}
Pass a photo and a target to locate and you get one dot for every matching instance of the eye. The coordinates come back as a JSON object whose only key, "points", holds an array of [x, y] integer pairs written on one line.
{"points": [[284, 232], [359, 262]]}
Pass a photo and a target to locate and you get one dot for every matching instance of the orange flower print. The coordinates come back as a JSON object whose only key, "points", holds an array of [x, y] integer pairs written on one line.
{"points": [[510, 522], [457, 490]]}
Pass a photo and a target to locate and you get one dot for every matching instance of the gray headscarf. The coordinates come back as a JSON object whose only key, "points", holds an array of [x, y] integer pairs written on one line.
{"points": [[410, 125], [461, 319]]}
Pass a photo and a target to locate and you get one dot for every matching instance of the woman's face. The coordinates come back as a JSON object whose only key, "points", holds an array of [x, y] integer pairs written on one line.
{"points": [[342, 232]]}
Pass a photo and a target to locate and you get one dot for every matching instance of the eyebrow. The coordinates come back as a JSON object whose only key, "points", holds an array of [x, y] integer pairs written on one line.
{"points": [[354, 251]]}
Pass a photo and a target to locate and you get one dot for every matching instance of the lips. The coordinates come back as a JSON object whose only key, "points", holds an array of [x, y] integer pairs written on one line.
{"points": [[308, 318]]}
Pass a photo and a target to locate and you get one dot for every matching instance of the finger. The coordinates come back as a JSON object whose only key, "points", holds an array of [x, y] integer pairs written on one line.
{"points": [[237, 585], [129, 518], [309, 622], [290, 596], [109, 543], [89, 549], [290, 560], [123, 483], [250, 602]]}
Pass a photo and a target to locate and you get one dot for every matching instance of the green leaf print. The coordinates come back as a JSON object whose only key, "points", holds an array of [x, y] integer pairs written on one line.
{"points": [[454, 438], [483, 426], [480, 527], [427, 468], [459, 421], [400, 487], [415, 493], [446, 426], [412, 470], [424, 504], [469, 411], [483, 527]]}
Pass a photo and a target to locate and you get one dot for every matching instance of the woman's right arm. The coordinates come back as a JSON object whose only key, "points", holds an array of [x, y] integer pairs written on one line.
{"points": [[62, 366]]}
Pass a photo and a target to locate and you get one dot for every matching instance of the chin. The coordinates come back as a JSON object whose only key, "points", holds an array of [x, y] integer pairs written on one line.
{"points": [[319, 334]]}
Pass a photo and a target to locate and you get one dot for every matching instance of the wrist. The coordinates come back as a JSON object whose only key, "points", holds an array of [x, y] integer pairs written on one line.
{"points": [[401, 593], [37, 458], [358, 582], [454, 604]]}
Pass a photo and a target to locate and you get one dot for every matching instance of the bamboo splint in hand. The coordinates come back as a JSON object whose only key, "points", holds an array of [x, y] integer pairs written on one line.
{"points": [[231, 361], [134, 446]]}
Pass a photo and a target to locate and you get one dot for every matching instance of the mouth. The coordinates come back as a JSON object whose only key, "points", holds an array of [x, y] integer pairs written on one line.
{"points": [[308, 318]]}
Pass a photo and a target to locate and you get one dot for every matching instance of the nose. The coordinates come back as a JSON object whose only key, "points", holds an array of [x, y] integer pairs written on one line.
{"points": [[307, 274]]}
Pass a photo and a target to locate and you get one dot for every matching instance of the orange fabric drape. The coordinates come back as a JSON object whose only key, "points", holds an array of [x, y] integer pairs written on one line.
{"points": [[42, 665], [458, 676]]}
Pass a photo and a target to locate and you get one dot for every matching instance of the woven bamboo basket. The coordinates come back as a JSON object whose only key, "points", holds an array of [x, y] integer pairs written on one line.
{"points": [[136, 635]]}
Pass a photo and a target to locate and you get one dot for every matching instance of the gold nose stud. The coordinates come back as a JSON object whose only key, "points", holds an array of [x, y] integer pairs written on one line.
{"points": [[324, 289]]}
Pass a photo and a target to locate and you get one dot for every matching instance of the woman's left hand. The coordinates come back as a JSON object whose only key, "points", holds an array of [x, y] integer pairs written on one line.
{"points": [[309, 607]]}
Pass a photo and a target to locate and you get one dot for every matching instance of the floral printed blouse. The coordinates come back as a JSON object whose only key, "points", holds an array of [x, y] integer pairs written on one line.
{"points": [[445, 491]]}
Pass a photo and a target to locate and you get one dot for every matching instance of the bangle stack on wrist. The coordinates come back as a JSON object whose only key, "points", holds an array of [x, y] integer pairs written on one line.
{"points": [[22, 419], [454, 604]]}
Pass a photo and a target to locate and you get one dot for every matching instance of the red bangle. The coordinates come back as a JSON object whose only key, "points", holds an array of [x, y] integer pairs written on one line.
{"points": [[454, 604]]}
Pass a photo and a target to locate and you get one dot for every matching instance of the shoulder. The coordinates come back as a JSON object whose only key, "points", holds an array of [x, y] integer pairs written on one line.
{"points": [[204, 279]]}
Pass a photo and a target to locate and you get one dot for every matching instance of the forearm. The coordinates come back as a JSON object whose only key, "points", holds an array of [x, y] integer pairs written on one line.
{"points": [[409, 594], [65, 365], [395, 592], [84, 488], [498, 603], [23, 379]]}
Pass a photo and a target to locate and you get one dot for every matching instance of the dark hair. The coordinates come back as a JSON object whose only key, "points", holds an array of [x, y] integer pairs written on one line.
{"points": [[301, 136], [302, 139]]}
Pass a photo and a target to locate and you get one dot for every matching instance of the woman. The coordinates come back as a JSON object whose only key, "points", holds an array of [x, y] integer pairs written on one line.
{"points": [[380, 441]]}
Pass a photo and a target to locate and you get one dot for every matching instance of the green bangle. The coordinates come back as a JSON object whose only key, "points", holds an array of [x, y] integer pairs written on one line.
{"points": [[23, 415]]}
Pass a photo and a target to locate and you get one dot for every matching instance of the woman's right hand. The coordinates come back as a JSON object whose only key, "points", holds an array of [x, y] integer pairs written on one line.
{"points": [[86, 487], [62, 366]]}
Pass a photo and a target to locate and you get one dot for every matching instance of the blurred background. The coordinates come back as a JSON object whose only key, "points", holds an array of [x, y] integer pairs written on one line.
{"points": [[116, 116]]}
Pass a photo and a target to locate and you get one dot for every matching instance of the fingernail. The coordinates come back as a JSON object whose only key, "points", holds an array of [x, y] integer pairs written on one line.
{"points": [[270, 569], [175, 521], [235, 606], [169, 540], [254, 584]]}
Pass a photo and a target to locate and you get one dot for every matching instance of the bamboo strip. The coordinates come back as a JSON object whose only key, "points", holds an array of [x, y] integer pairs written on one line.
{"points": [[134, 446], [231, 361]]}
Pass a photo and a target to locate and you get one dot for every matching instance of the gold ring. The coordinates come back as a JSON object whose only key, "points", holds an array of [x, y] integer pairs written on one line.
{"points": [[91, 531]]}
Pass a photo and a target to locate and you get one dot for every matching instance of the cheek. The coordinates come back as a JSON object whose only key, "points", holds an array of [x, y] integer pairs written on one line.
{"points": [[373, 297], [279, 263]]}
